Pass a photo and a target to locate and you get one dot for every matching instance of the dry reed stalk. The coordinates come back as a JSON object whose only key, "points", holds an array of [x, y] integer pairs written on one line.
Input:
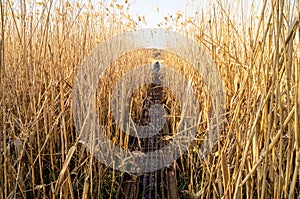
{"points": [[257, 153]]}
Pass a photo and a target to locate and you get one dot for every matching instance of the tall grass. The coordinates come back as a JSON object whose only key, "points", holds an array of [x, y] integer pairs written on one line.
{"points": [[44, 43]]}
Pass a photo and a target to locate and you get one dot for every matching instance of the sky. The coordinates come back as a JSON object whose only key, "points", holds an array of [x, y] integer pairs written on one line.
{"points": [[152, 15]]}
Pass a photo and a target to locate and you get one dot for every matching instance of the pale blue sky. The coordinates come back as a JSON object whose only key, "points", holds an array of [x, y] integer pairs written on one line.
{"points": [[152, 16]]}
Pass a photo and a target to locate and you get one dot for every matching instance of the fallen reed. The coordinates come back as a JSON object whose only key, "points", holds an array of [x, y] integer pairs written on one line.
{"points": [[43, 44]]}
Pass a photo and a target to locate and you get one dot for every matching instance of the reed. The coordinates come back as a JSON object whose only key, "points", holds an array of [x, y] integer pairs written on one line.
{"points": [[43, 44]]}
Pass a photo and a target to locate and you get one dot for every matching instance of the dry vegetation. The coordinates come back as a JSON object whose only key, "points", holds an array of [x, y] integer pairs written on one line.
{"points": [[44, 43]]}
